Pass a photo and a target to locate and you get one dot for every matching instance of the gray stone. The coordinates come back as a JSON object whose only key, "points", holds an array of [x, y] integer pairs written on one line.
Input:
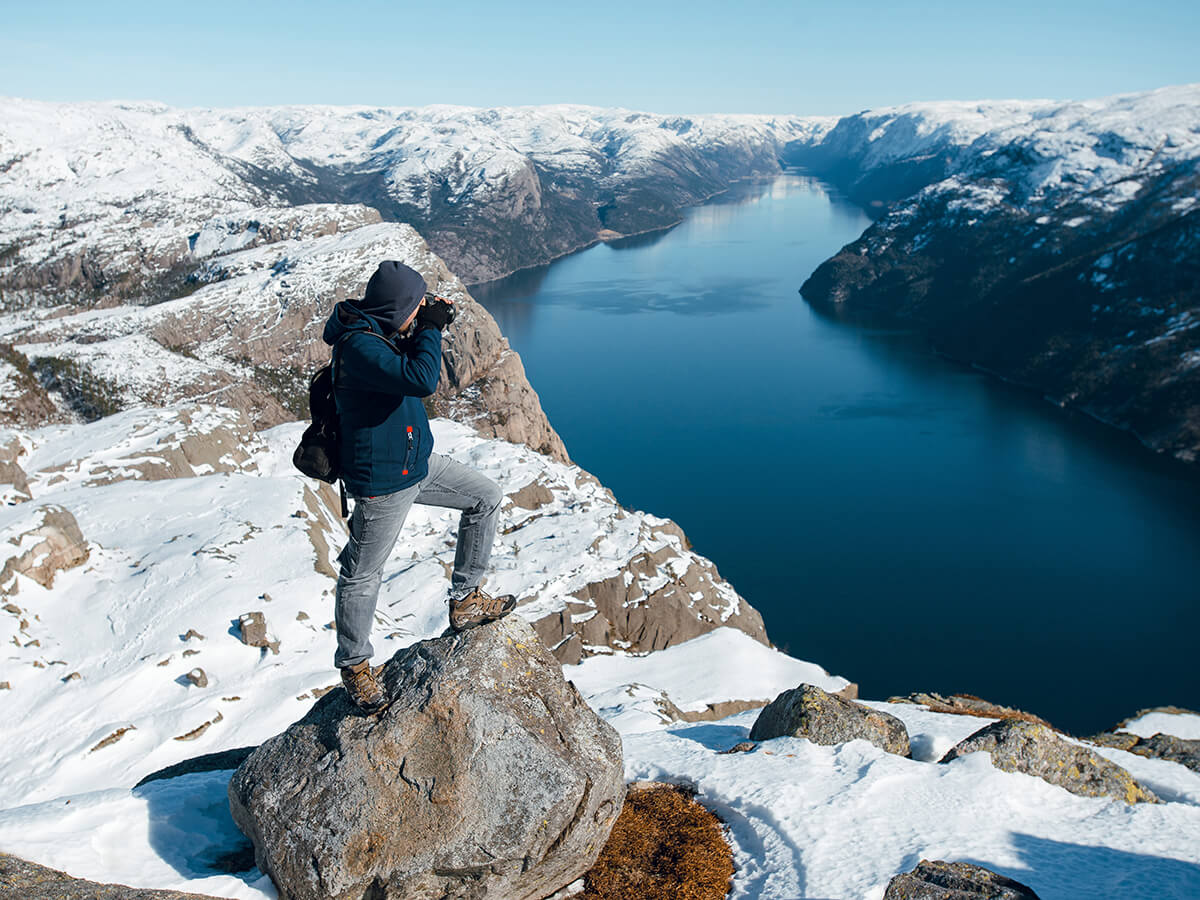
{"points": [[824, 718], [198, 678], [937, 880], [1159, 746], [30, 881], [487, 776], [967, 705], [1034, 749]]}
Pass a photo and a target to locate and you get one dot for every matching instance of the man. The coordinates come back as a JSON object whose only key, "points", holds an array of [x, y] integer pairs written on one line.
{"points": [[387, 355]]}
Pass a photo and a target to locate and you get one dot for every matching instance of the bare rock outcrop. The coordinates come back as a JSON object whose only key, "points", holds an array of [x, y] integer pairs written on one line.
{"points": [[30, 881], [938, 880], [967, 705], [40, 548], [824, 718], [649, 605], [1017, 746], [487, 776], [23, 400], [1158, 746]]}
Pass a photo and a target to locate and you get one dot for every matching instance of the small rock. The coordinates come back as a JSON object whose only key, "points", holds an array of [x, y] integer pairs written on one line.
{"points": [[967, 705], [743, 747], [253, 627], [824, 718], [5, 686], [74, 676], [12, 608], [266, 598], [165, 662], [200, 729], [193, 633], [301, 616], [113, 738], [534, 495], [1019, 746], [190, 652], [198, 678], [1160, 746], [937, 880], [34, 643]]}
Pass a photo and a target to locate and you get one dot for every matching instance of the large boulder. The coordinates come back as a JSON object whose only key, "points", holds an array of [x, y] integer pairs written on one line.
{"points": [[1036, 750], [824, 718], [488, 776], [937, 880]]}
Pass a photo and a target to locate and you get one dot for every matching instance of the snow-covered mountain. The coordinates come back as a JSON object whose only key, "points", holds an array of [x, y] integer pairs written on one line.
{"points": [[114, 199], [1057, 244]]}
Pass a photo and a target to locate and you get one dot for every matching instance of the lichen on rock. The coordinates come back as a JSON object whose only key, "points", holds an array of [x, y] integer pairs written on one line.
{"points": [[487, 775], [1032, 749], [938, 880], [824, 718]]}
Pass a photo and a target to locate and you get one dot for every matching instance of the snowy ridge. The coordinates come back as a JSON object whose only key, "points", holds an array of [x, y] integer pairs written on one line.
{"points": [[127, 184], [1038, 148]]}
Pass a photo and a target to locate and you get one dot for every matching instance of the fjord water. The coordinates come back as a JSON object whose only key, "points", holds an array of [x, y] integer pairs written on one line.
{"points": [[902, 520]]}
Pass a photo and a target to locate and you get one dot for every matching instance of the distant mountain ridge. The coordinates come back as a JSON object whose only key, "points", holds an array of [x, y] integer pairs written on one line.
{"points": [[1055, 244], [492, 190]]}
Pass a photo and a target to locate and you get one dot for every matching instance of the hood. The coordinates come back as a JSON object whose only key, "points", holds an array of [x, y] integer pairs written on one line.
{"points": [[345, 319]]}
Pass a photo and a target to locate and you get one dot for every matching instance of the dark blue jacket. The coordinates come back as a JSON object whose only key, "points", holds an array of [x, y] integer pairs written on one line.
{"points": [[378, 386]]}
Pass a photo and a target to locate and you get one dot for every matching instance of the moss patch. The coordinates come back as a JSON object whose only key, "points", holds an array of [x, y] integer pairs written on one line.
{"points": [[664, 846]]}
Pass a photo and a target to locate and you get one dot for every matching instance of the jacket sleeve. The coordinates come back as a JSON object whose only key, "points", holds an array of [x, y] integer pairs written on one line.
{"points": [[368, 363]]}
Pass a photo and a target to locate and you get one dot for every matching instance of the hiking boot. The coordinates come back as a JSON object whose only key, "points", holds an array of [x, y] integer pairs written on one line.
{"points": [[477, 608], [363, 687]]}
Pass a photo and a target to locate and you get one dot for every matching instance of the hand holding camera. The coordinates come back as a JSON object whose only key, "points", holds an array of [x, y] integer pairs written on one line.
{"points": [[435, 312]]}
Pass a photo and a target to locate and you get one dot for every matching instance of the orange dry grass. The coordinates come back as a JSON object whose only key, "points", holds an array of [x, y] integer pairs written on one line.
{"points": [[664, 846]]}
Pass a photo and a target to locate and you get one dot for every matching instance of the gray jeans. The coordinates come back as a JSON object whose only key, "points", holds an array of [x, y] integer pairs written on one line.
{"points": [[374, 526]]}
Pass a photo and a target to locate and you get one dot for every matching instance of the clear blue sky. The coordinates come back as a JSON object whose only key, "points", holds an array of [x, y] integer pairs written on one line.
{"points": [[686, 57]]}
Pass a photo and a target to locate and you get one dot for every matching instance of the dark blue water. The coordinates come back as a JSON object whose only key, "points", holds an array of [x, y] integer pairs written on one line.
{"points": [[905, 521]]}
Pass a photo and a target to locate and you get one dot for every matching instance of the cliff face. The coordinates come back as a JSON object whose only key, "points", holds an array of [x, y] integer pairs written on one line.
{"points": [[1054, 244], [249, 333]]}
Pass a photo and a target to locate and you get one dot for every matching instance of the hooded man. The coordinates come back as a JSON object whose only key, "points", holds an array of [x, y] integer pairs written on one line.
{"points": [[387, 355]]}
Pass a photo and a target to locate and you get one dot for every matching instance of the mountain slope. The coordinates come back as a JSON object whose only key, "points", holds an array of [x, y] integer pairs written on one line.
{"points": [[1056, 244], [102, 198]]}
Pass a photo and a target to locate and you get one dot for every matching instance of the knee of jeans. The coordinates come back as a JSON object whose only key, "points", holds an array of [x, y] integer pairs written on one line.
{"points": [[491, 500]]}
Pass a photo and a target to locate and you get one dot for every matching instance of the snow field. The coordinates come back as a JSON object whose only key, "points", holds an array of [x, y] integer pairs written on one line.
{"points": [[195, 553]]}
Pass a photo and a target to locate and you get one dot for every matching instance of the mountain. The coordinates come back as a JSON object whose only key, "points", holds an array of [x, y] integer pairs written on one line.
{"points": [[112, 199], [1054, 244]]}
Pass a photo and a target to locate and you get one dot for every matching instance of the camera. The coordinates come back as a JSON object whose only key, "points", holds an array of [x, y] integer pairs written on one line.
{"points": [[433, 301]]}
